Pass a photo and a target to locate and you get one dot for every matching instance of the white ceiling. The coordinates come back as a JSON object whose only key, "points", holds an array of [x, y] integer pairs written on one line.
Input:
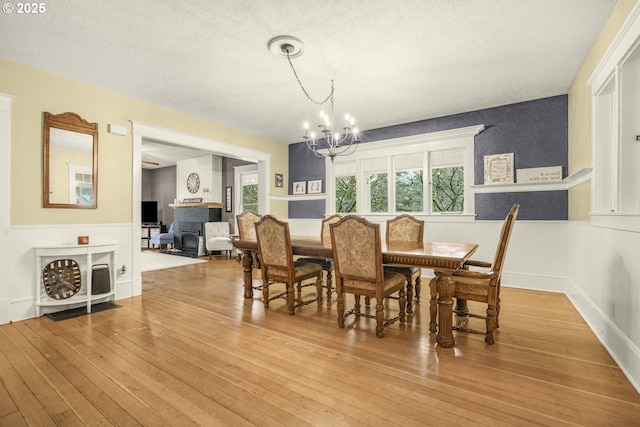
{"points": [[393, 61]]}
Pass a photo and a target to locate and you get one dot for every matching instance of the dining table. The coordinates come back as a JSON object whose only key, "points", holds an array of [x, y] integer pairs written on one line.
{"points": [[443, 257]]}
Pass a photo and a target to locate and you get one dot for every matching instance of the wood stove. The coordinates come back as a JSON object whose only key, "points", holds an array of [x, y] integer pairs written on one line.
{"points": [[190, 233]]}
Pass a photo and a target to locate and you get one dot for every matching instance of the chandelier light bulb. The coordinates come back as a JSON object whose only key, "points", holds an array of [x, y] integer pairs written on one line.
{"points": [[306, 125]]}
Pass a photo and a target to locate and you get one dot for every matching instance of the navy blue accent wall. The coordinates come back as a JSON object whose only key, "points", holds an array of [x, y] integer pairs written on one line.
{"points": [[535, 131]]}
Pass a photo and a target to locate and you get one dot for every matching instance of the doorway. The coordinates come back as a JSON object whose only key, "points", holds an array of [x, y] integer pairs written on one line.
{"points": [[142, 131]]}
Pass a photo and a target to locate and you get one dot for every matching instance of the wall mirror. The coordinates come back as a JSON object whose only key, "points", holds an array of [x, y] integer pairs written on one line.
{"points": [[70, 162]]}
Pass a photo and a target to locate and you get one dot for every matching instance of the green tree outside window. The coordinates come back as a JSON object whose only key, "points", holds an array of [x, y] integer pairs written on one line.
{"points": [[250, 197], [409, 191], [447, 189], [346, 194], [378, 192]]}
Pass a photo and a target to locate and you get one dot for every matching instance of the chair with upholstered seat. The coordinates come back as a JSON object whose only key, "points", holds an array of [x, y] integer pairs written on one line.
{"points": [[246, 221], [163, 239], [217, 237], [357, 257], [247, 231], [407, 228], [325, 263], [278, 266], [482, 286]]}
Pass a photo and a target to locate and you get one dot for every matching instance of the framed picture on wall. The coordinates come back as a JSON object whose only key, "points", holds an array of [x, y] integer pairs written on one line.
{"points": [[279, 180], [228, 203], [300, 187], [498, 169], [314, 186]]}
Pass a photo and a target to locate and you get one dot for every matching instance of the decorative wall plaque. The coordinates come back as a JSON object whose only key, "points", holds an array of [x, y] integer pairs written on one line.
{"points": [[498, 169], [534, 175]]}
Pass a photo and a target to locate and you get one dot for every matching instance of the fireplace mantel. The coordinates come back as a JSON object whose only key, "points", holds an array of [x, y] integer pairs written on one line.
{"points": [[213, 205]]}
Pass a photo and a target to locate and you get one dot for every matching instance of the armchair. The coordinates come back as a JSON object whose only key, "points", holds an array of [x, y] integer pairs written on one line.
{"points": [[161, 239], [482, 286], [217, 237]]}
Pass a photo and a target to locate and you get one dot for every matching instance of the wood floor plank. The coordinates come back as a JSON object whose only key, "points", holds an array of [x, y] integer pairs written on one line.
{"points": [[96, 388], [32, 410], [192, 351], [77, 407]]}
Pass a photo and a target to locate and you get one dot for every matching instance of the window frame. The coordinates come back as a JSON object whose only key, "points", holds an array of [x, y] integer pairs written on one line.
{"points": [[454, 139]]}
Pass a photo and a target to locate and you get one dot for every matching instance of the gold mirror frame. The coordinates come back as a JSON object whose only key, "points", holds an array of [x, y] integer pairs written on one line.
{"points": [[70, 162]]}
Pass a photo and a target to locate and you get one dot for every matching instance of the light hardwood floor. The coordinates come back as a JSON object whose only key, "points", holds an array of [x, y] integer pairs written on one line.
{"points": [[192, 351]]}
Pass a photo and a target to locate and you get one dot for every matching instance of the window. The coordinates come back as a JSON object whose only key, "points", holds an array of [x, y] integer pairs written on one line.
{"points": [[447, 181], [249, 192], [345, 188], [409, 184], [424, 174], [376, 184]]}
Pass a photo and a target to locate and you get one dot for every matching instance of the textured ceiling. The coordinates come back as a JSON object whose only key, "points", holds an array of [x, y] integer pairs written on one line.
{"points": [[393, 61]]}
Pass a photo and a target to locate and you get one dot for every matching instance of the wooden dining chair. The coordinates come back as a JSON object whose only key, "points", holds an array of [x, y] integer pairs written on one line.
{"points": [[247, 231], [246, 220], [357, 257], [278, 266], [325, 263], [407, 228], [480, 285]]}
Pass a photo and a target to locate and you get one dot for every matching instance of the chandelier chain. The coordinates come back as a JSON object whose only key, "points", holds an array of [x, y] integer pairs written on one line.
{"points": [[329, 97]]}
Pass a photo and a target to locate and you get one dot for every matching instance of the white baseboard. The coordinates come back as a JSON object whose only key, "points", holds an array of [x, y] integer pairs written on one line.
{"points": [[625, 353], [5, 311]]}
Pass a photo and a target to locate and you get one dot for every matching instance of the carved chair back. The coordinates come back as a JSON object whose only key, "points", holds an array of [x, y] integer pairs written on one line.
{"points": [[503, 241], [274, 246], [405, 228], [246, 221], [326, 230], [357, 251]]}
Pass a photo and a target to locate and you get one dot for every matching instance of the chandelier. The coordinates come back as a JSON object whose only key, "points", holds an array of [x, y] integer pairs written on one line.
{"points": [[330, 141]]}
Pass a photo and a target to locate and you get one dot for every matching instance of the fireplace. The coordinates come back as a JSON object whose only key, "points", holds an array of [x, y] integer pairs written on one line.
{"points": [[189, 237]]}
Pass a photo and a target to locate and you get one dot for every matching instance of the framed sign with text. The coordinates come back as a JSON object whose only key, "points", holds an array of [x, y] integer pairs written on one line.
{"points": [[498, 169]]}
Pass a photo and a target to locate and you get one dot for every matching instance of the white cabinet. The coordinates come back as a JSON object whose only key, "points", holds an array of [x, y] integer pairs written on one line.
{"points": [[86, 256]]}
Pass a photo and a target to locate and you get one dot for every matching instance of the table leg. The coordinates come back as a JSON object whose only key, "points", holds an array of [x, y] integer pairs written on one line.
{"points": [[445, 338], [247, 268]]}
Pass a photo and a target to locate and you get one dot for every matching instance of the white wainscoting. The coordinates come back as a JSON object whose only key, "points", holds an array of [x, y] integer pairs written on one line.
{"points": [[604, 277], [23, 276]]}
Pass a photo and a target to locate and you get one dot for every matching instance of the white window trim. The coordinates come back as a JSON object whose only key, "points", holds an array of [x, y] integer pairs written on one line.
{"points": [[461, 138]]}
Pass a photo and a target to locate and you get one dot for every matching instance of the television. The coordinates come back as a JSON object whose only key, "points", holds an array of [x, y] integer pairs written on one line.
{"points": [[149, 212]]}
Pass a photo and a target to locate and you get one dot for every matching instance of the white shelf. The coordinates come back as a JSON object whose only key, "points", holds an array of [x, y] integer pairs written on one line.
{"points": [[84, 253], [582, 176]]}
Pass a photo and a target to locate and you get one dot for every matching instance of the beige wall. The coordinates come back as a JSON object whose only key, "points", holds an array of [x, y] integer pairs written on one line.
{"points": [[580, 149], [36, 92]]}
